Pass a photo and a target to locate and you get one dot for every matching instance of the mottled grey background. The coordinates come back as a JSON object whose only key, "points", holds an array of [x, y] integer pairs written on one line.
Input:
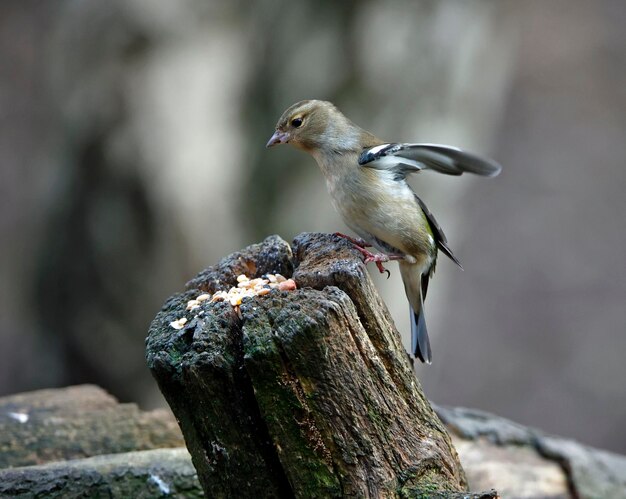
{"points": [[132, 155]]}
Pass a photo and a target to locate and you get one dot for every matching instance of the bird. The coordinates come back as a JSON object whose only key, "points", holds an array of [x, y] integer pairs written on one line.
{"points": [[366, 180]]}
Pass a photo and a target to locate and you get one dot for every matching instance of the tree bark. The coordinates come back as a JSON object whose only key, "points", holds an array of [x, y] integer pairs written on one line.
{"points": [[305, 393]]}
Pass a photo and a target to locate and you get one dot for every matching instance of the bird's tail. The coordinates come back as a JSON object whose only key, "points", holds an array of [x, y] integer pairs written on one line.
{"points": [[412, 279]]}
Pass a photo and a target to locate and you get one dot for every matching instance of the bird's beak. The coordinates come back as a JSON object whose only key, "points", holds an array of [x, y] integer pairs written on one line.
{"points": [[278, 138]]}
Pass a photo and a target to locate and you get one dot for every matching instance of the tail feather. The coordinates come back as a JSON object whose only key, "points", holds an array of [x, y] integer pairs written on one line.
{"points": [[420, 344]]}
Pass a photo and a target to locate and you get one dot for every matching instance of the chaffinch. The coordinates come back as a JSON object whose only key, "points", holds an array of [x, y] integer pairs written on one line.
{"points": [[366, 179]]}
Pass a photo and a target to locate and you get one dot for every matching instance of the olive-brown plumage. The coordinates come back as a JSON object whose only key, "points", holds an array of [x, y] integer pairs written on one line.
{"points": [[366, 179]]}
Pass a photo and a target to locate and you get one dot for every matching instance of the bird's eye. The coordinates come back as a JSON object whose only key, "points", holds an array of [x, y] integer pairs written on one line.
{"points": [[296, 122]]}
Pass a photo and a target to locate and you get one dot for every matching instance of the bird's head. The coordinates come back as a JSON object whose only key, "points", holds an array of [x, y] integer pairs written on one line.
{"points": [[305, 125], [318, 128]]}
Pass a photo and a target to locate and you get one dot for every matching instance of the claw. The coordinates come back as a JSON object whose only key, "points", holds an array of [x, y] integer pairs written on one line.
{"points": [[379, 265], [378, 259], [368, 256]]}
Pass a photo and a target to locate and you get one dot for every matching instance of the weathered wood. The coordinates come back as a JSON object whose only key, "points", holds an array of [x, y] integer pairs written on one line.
{"points": [[305, 393], [495, 452], [75, 422], [525, 462], [142, 474]]}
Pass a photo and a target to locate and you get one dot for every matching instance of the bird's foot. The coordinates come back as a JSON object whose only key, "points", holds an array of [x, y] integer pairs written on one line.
{"points": [[368, 256], [357, 241], [379, 259]]}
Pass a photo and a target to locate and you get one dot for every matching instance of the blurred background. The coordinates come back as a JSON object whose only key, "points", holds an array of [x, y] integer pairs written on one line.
{"points": [[132, 156]]}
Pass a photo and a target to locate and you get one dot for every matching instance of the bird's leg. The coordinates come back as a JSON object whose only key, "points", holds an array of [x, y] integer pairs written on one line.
{"points": [[360, 245], [379, 258], [368, 256], [357, 241]]}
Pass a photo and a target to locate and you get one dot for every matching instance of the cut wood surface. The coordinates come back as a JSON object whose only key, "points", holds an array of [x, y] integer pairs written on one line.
{"points": [[81, 442], [80, 421], [305, 393]]}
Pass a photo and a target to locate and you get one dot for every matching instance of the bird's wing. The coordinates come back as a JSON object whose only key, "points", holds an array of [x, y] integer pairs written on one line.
{"points": [[403, 159], [440, 239]]}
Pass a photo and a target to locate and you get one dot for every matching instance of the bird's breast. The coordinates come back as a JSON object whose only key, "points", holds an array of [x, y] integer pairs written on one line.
{"points": [[382, 209]]}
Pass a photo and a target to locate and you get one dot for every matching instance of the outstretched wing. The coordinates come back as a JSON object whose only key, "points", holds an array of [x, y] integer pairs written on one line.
{"points": [[403, 159]]}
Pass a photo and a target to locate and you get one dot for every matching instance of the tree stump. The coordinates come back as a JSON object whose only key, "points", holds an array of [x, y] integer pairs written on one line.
{"points": [[305, 393]]}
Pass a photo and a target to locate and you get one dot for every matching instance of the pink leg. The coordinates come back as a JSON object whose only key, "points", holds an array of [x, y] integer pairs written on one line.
{"points": [[357, 241], [369, 257], [379, 258]]}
